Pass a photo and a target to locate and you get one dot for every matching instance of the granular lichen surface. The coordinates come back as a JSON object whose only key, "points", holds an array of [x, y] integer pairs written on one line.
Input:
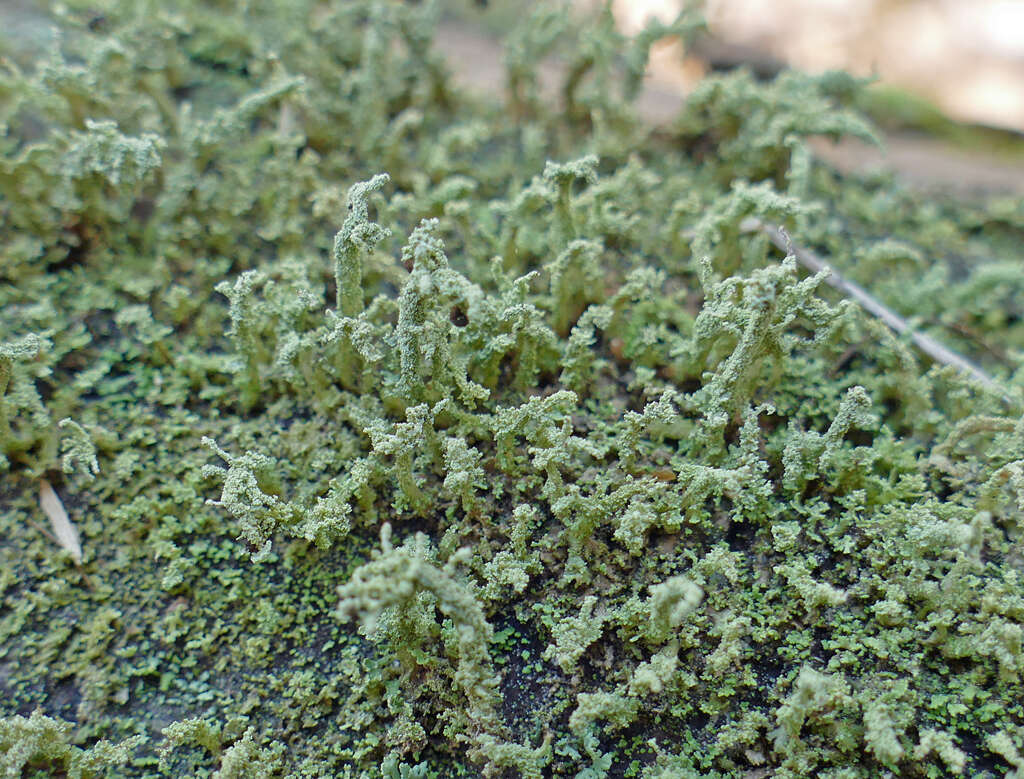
{"points": [[413, 434]]}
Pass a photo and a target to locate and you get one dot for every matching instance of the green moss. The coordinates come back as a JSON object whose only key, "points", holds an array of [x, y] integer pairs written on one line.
{"points": [[525, 459]]}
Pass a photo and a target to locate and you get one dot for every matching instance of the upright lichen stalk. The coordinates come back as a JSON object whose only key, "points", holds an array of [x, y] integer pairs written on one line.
{"points": [[357, 237]]}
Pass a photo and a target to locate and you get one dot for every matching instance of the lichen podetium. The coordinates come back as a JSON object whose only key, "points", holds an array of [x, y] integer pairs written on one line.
{"points": [[410, 433]]}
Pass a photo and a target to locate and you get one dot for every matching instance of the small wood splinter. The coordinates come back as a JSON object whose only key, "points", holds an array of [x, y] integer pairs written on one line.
{"points": [[64, 532]]}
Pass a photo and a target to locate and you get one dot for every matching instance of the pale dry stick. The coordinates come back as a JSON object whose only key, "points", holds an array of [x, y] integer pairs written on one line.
{"points": [[812, 262], [64, 534], [64, 530]]}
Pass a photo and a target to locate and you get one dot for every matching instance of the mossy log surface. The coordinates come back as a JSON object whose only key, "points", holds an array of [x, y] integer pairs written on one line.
{"points": [[412, 433]]}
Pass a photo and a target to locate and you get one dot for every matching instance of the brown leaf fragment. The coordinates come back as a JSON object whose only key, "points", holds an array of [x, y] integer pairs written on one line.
{"points": [[63, 530]]}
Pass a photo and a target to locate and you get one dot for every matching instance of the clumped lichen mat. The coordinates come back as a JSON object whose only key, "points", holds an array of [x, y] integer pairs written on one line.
{"points": [[414, 435]]}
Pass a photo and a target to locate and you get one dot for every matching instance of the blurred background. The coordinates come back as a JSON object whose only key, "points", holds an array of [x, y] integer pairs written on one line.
{"points": [[964, 56], [949, 89]]}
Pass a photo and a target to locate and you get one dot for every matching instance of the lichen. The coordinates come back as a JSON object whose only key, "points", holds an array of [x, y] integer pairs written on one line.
{"points": [[524, 458]]}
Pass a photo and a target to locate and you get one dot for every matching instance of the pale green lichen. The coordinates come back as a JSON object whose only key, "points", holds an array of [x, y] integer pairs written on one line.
{"points": [[393, 581], [667, 506], [79, 450], [573, 636], [39, 743], [357, 236]]}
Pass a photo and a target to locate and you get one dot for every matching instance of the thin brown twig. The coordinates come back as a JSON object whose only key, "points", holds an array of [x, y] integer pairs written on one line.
{"points": [[972, 335], [812, 262], [845, 358], [43, 530]]}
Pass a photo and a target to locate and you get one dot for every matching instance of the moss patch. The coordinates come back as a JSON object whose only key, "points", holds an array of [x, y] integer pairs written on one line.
{"points": [[523, 459]]}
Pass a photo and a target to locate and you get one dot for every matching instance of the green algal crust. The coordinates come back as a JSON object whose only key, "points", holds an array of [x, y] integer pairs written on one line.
{"points": [[524, 458]]}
